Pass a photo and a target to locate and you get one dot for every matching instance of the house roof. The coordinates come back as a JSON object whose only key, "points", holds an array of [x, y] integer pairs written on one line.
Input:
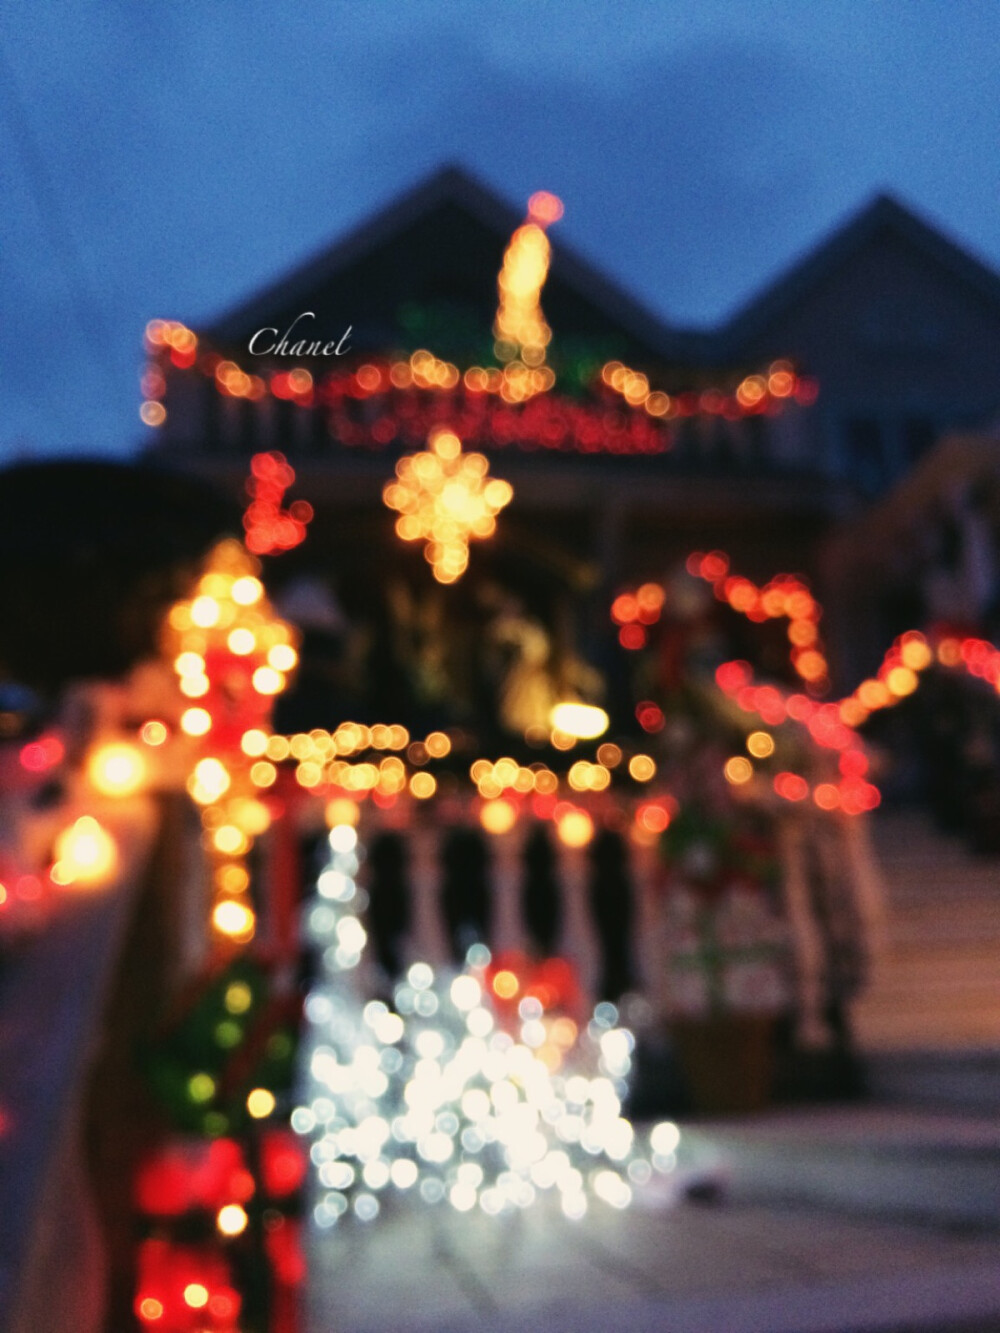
{"points": [[882, 214], [446, 236]]}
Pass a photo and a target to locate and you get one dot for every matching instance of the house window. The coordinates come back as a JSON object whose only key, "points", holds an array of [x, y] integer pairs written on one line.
{"points": [[865, 453]]}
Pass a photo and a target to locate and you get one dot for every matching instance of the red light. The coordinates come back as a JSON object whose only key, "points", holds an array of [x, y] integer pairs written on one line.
{"points": [[714, 566], [653, 817], [283, 1163], [791, 787], [732, 676], [650, 717], [545, 208], [853, 763], [632, 637], [45, 753]]}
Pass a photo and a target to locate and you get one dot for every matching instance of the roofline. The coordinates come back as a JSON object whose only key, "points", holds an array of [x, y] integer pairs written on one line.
{"points": [[884, 210], [451, 183]]}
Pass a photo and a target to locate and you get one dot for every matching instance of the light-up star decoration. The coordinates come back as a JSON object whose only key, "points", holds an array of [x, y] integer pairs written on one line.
{"points": [[445, 498]]}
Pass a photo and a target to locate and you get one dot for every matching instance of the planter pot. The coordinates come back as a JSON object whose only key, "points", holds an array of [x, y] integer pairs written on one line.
{"points": [[727, 1061]]}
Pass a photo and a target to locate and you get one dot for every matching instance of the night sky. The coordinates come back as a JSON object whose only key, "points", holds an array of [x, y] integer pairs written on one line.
{"points": [[167, 160]]}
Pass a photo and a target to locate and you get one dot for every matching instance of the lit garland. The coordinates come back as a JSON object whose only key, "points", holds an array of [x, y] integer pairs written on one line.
{"points": [[784, 597], [829, 726], [465, 1092], [481, 400], [444, 499], [384, 403], [755, 395], [231, 655], [269, 528]]}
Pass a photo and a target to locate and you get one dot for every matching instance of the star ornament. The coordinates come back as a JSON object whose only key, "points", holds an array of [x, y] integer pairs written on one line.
{"points": [[445, 498]]}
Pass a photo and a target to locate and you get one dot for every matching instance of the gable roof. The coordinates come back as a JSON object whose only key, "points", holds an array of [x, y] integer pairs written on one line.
{"points": [[883, 213], [456, 202]]}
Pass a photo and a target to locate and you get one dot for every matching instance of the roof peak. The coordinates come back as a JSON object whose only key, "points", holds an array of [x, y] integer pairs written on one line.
{"points": [[883, 209]]}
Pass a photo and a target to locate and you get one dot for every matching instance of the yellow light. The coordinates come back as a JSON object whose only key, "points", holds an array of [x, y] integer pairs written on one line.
{"points": [[196, 1295], [189, 664], [238, 997], [873, 694], [342, 810], [760, 744], [196, 721], [205, 612], [902, 681], [250, 815], [738, 770], [260, 1103], [233, 919], [85, 853], [247, 590], [575, 828], [232, 1219], [437, 745], [194, 686], [242, 641], [153, 733], [498, 816], [253, 742], [282, 657], [209, 781], [150, 1308], [263, 773], [423, 785], [117, 769], [230, 840], [641, 768], [584, 722], [201, 1087], [506, 984], [278, 748], [268, 681], [916, 654]]}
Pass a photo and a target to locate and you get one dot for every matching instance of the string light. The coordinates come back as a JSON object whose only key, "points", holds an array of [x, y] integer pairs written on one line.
{"points": [[471, 1091], [85, 854], [223, 641], [117, 769]]}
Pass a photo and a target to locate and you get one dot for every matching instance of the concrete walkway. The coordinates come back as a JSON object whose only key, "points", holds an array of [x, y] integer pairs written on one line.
{"points": [[818, 1246]]}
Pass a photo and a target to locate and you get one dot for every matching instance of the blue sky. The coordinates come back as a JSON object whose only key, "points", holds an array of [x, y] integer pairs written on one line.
{"points": [[168, 159]]}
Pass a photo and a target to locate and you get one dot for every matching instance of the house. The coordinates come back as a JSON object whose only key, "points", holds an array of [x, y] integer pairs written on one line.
{"points": [[896, 325], [901, 328]]}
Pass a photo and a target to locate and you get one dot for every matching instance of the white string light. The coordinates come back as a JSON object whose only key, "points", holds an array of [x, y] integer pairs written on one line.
{"points": [[446, 1098]]}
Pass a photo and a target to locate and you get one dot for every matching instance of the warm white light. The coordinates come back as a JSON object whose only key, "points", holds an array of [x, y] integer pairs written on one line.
{"points": [[117, 769], [584, 722]]}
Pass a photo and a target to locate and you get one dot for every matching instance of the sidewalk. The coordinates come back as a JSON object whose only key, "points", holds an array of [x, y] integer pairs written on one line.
{"points": [[800, 1240]]}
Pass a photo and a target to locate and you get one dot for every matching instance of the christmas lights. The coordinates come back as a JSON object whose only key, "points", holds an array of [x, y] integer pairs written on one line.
{"points": [[475, 1090], [445, 500]]}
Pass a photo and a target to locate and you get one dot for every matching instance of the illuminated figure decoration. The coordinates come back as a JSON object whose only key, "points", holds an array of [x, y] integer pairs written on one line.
{"points": [[445, 498], [520, 330]]}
